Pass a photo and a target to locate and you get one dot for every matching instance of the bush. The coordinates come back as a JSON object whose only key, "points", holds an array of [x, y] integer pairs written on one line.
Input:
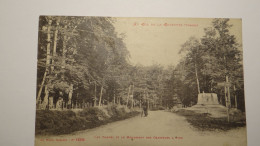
{"points": [[94, 115], [64, 122], [58, 122], [111, 109]]}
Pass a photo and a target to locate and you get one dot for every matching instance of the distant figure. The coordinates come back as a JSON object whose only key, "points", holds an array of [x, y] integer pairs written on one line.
{"points": [[145, 109]]}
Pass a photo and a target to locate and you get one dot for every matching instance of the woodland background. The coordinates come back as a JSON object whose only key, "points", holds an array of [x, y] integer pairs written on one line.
{"points": [[85, 60]]}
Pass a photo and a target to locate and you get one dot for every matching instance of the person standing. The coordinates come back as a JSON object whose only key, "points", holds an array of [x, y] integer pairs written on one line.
{"points": [[145, 108]]}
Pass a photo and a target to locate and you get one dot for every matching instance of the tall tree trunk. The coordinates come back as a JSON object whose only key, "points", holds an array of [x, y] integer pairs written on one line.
{"points": [[128, 95], [114, 97], [211, 88], [70, 96], [197, 78], [40, 90], [95, 95], [132, 96], [226, 99], [140, 103], [235, 96], [229, 101], [100, 97], [47, 59], [55, 43], [64, 48], [46, 98]]}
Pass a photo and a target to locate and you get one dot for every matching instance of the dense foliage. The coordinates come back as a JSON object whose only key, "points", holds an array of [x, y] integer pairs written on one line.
{"points": [[84, 53], [207, 64], [63, 122], [83, 58]]}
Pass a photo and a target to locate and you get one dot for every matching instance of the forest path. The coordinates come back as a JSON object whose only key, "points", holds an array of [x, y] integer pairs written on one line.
{"points": [[157, 124]]}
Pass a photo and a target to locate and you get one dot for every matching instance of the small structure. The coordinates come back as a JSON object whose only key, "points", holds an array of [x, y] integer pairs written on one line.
{"points": [[208, 103], [207, 99]]}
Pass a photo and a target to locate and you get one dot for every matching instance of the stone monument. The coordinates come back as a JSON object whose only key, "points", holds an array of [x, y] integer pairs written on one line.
{"points": [[207, 99]]}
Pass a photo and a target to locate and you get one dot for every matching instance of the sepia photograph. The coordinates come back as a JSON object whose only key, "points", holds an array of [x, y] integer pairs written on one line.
{"points": [[140, 81]]}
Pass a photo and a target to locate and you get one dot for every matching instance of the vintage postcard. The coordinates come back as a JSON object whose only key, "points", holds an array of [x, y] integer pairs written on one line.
{"points": [[108, 81]]}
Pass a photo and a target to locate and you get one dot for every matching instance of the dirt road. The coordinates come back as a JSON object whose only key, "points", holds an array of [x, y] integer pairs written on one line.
{"points": [[160, 128]]}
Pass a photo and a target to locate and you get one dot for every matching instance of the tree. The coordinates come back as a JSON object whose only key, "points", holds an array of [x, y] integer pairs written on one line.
{"points": [[86, 54], [193, 55], [214, 58]]}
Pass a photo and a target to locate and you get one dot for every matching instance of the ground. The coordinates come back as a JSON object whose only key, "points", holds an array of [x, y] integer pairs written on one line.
{"points": [[158, 124]]}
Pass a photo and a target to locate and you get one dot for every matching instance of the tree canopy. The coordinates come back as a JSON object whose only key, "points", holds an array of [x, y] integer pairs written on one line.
{"points": [[84, 60]]}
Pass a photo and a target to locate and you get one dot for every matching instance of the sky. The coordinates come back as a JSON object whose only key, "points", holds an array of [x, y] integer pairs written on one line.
{"points": [[158, 40]]}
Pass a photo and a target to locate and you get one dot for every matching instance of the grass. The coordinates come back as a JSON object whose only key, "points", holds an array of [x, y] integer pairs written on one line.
{"points": [[203, 121], [52, 122]]}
